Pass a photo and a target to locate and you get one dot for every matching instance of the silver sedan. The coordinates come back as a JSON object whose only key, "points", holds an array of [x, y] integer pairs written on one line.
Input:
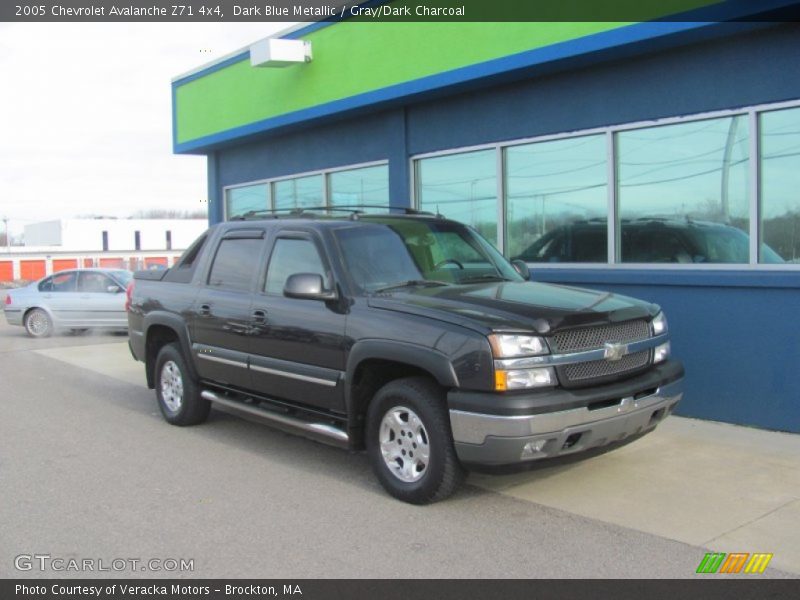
{"points": [[77, 299]]}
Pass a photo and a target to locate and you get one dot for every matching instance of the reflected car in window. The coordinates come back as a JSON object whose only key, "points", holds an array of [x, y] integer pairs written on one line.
{"points": [[77, 299], [648, 240]]}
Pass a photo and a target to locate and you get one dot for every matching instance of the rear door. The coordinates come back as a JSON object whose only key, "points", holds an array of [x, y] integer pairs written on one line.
{"points": [[221, 313], [59, 295], [298, 344]]}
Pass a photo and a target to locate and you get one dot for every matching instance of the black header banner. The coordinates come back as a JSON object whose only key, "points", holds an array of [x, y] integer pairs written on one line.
{"points": [[397, 10]]}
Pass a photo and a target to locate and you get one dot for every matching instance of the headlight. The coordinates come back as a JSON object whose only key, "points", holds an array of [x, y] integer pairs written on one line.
{"points": [[659, 324], [513, 346], [661, 353], [519, 379]]}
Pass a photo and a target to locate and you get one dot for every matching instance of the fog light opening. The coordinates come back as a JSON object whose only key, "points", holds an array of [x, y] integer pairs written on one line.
{"points": [[533, 449], [571, 440], [657, 415]]}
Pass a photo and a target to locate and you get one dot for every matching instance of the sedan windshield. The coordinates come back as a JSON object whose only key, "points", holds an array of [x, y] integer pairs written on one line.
{"points": [[395, 253]]}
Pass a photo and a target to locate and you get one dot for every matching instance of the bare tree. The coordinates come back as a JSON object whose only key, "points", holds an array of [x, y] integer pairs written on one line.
{"points": [[169, 213]]}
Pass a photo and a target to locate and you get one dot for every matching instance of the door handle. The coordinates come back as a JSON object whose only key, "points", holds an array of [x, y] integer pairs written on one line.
{"points": [[204, 310], [260, 317]]}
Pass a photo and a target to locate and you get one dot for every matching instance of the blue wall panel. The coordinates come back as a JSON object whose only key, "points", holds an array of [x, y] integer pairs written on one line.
{"points": [[373, 137], [752, 68]]}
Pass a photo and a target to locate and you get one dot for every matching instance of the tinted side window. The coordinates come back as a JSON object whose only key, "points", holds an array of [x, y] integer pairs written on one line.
{"points": [[60, 282], [236, 264], [289, 257], [183, 271], [94, 283]]}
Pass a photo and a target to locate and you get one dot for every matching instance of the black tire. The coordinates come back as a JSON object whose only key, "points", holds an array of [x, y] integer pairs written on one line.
{"points": [[177, 391], [38, 323], [421, 479]]}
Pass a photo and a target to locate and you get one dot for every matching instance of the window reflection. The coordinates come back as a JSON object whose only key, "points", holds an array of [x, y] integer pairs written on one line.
{"points": [[556, 200], [780, 185], [302, 192], [683, 192], [358, 187], [462, 187], [241, 200]]}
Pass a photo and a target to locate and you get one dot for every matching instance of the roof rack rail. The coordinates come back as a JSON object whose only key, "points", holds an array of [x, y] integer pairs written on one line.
{"points": [[355, 211]]}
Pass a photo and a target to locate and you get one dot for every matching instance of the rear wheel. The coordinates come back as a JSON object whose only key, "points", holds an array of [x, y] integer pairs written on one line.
{"points": [[409, 441], [177, 392], [38, 323]]}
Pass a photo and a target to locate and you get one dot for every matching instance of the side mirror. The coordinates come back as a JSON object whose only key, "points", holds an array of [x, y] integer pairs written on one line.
{"points": [[522, 268], [308, 286], [113, 289]]}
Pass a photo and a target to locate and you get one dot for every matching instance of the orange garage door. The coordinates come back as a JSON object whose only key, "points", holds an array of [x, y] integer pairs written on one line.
{"points": [[64, 263], [6, 270], [112, 263], [155, 260], [31, 270]]}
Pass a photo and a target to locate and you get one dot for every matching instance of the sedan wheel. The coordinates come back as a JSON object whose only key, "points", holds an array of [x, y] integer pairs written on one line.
{"points": [[38, 323]]}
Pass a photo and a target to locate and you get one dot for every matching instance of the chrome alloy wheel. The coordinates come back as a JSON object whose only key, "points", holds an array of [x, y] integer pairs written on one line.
{"points": [[38, 323], [171, 386], [404, 444]]}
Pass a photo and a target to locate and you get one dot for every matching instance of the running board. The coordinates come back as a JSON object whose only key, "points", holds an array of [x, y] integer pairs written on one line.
{"points": [[321, 432]]}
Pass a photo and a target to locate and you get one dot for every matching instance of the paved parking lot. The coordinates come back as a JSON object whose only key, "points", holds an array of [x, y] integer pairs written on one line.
{"points": [[88, 469]]}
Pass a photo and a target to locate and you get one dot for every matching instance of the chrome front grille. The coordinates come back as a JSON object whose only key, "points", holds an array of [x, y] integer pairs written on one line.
{"points": [[589, 338], [592, 338], [595, 369]]}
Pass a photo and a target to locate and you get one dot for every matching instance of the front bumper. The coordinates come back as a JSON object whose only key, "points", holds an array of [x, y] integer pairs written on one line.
{"points": [[497, 439]]}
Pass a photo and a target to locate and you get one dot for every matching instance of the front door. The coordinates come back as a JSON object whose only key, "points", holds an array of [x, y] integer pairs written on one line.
{"points": [[298, 344]]}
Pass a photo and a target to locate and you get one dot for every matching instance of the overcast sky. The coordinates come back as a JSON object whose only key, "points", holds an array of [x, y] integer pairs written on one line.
{"points": [[85, 119]]}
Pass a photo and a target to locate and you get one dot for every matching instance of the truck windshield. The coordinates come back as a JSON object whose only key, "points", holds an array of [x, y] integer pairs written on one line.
{"points": [[393, 253]]}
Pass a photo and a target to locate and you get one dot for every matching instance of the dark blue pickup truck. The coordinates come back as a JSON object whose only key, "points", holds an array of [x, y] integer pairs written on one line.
{"points": [[407, 335]]}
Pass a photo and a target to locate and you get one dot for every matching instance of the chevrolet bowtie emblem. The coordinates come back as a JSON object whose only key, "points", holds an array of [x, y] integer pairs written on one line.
{"points": [[614, 351]]}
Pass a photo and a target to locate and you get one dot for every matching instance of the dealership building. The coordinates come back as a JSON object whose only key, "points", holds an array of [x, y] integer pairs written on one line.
{"points": [[657, 159]]}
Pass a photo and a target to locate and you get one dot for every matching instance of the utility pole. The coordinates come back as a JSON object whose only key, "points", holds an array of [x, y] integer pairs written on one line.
{"points": [[8, 236]]}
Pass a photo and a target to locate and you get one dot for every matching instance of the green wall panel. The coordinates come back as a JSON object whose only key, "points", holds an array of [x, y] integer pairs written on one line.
{"points": [[353, 57]]}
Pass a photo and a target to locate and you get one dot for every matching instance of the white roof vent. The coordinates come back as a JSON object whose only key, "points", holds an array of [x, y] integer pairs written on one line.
{"points": [[276, 52]]}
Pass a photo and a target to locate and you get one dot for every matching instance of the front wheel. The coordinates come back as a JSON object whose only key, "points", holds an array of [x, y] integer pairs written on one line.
{"points": [[177, 392], [409, 441], [38, 323]]}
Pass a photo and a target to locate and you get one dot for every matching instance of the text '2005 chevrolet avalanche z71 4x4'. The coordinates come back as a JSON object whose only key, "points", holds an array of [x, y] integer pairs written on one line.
{"points": [[408, 335]]}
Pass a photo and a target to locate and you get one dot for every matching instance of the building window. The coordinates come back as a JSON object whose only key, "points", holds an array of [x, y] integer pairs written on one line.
{"points": [[301, 192], [461, 187], [169, 240], [780, 182], [241, 200], [683, 192], [137, 240], [557, 200], [359, 187], [105, 241]]}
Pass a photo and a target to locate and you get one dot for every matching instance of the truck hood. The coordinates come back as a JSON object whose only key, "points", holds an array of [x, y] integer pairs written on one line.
{"points": [[514, 306]]}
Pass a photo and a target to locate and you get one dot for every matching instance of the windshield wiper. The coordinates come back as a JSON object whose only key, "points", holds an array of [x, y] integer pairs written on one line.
{"points": [[484, 277], [410, 283]]}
